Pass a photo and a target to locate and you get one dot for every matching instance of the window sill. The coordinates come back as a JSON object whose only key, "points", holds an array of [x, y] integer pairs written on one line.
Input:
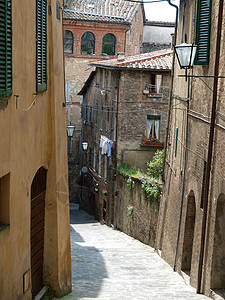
{"points": [[3, 227], [158, 145], [155, 95]]}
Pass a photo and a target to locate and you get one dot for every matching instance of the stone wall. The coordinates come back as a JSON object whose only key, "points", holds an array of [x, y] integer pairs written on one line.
{"points": [[180, 187], [142, 224]]}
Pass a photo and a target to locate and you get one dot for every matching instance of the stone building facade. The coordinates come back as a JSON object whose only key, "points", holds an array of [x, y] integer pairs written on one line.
{"points": [[123, 103], [86, 25], [34, 209], [122, 20], [157, 35], [192, 207]]}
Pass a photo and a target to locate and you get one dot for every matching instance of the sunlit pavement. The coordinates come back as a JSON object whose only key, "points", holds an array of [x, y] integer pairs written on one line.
{"points": [[108, 264]]}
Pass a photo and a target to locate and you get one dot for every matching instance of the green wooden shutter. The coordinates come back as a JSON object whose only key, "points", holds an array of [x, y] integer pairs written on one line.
{"points": [[5, 48], [153, 117], [203, 32], [176, 138], [41, 45]]}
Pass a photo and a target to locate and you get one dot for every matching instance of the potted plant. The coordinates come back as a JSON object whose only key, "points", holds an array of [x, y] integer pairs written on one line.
{"points": [[104, 192]]}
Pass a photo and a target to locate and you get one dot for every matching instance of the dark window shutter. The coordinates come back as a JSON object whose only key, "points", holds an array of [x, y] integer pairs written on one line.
{"points": [[203, 32], [41, 45], [58, 10], [5, 48]]}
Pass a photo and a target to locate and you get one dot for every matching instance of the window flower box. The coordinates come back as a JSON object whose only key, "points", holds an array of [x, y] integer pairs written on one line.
{"points": [[152, 141], [104, 192]]}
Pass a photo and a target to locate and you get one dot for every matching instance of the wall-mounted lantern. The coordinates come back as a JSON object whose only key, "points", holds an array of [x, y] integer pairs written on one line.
{"points": [[185, 54], [85, 146], [70, 132]]}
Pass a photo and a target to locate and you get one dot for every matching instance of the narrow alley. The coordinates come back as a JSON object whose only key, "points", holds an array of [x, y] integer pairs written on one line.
{"points": [[108, 264]]}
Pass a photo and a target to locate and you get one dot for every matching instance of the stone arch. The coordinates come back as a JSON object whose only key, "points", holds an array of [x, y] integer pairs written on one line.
{"points": [[68, 41], [218, 258], [189, 233]]}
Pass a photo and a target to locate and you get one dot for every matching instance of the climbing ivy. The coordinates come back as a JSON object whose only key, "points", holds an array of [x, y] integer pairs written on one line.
{"points": [[155, 166], [130, 211]]}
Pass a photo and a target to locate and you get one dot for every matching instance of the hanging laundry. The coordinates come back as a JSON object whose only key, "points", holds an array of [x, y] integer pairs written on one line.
{"points": [[104, 144]]}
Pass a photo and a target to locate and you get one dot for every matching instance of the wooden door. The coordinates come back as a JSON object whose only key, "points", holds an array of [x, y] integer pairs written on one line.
{"points": [[38, 189]]}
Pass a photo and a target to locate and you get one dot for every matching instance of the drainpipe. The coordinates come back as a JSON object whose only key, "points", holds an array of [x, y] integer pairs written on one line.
{"points": [[171, 92], [210, 145]]}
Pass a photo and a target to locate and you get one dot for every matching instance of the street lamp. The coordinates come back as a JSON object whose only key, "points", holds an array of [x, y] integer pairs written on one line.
{"points": [[70, 132], [85, 146], [185, 54]]}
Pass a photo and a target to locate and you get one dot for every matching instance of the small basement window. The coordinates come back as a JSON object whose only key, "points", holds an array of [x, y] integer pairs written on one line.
{"points": [[4, 201]]}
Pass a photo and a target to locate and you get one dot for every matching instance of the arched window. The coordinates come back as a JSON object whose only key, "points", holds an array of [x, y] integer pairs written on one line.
{"points": [[109, 44], [88, 43], [68, 42]]}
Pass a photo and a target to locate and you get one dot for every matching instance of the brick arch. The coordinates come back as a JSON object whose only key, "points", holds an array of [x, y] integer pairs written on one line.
{"points": [[73, 39], [94, 36], [189, 233], [218, 258]]}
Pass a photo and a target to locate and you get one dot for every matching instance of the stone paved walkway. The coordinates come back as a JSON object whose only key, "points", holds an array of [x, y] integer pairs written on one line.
{"points": [[109, 265]]}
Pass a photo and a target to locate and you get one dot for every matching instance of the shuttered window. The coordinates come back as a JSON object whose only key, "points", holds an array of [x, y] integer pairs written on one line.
{"points": [[5, 48], [41, 45], [203, 32]]}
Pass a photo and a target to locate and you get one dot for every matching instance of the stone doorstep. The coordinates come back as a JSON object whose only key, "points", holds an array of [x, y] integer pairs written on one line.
{"points": [[42, 292], [74, 206]]}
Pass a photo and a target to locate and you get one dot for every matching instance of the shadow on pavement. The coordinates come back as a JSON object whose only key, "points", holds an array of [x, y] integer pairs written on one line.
{"points": [[88, 266], [80, 217]]}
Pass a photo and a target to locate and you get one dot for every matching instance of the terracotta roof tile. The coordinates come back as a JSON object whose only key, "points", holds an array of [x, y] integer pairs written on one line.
{"points": [[101, 10], [157, 60]]}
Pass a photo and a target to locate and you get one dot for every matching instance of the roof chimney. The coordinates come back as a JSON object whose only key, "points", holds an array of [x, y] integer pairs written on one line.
{"points": [[120, 56]]}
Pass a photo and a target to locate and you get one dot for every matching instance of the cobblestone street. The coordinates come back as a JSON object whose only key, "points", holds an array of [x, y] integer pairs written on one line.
{"points": [[107, 264]]}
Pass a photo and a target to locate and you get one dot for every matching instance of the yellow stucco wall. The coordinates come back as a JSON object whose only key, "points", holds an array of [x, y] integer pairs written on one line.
{"points": [[30, 139]]}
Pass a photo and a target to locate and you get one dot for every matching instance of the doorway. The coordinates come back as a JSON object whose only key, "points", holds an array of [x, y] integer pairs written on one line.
{"points": [[189, 234], [38, 189], [218, 260]]}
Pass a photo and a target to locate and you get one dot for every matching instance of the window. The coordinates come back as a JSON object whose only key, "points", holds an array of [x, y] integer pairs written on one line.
{"points": [[4, 201], [94, 158], [203, 32], [100, 163], [105, 168], [5, 48], [57, 10], [153, 126], [68, 42], [109, 44], [41, 36], [155, 83], [88, 43], [67, 92]]}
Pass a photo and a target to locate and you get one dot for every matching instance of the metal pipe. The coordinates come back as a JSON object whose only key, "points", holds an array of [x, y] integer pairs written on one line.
{"points": [[171, 92], [210, 146]]}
